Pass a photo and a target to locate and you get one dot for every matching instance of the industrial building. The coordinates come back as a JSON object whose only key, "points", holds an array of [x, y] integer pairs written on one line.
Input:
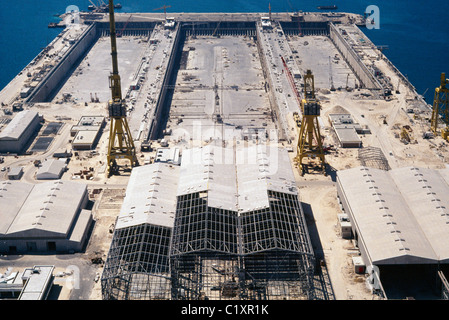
{"points": [[346, 130], [15, 173], [400, 223], [30, 284], [87, 132], [42, 218], [168, 155], [231, 218], [17, 134], [51, 169]]}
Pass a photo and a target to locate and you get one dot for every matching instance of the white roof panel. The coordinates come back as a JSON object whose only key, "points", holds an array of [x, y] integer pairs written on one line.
{"points": [[49, 209], [12, 196], [426, 193], [150, 196], [18, 125], [385, 218]]}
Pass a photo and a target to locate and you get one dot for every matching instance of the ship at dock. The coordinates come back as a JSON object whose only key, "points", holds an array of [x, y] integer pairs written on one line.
{"points": [[102, 7], [333, 7]]}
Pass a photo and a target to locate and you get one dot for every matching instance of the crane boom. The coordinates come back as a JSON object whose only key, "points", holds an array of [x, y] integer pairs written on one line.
{"points": [[121, 144], [124, 27], [310, 144], [440, 110], [114, 78], [164, 7], [292, 82]]}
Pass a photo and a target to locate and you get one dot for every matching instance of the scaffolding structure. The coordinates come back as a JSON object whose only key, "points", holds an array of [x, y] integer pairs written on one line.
{"points": [[374, 158], [261, 254], [211, 250], [137, 267]]}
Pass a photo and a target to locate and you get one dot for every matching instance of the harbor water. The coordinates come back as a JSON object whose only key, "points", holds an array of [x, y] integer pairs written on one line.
{"points": [[414, 33]]}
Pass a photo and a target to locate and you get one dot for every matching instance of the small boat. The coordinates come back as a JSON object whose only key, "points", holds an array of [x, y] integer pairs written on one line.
{"points": [[334, 7], [55, 25]]}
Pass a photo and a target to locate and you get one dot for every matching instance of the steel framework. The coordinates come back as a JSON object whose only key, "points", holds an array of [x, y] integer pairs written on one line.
{"points": [[137, 267], [261, 254], [374, 158], [212, 253], [444, 286]]}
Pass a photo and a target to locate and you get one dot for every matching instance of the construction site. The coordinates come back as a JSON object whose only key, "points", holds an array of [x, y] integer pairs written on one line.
{"points": [[223, 156]]}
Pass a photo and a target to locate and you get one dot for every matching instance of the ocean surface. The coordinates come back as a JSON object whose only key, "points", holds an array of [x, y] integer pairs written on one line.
{"points": [[416, 32]]}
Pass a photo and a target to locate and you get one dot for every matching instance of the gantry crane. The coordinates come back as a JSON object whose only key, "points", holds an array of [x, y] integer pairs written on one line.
{"points": [[121, 145], [310, 142], [440, 110]]}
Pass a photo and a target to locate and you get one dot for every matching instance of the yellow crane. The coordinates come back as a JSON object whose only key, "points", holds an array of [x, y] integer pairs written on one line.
{"points": [[310, 142], [121, 145], [441, 108]]}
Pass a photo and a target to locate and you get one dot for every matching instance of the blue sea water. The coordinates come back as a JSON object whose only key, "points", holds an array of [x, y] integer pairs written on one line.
{"points": [[416, 32]]}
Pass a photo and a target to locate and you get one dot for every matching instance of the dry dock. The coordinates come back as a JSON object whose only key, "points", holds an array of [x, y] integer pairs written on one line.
{"points": [[218, 79]]}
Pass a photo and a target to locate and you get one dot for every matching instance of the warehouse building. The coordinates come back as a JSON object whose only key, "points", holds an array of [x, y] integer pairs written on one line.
{"points": [[51, 169], [17, 134], [42, 218], [15, 173], [400, 222]]}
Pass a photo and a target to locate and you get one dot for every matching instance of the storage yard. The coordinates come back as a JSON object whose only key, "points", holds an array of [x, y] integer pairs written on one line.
{"points": [[219, 206]]}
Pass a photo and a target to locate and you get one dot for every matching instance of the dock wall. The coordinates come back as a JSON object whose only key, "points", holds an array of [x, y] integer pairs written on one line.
{"points": [[318, 28], [219, 28], [157, 119], [365, 77], [270, 86], [54, 80]]}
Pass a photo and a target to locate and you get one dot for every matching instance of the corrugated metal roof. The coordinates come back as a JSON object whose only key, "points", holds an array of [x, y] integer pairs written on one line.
{"points": [[18, 125], [49, 210], [51, 168], [12, 196], [236, 179], [150, 196], [396, 214], [427, 194]]}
